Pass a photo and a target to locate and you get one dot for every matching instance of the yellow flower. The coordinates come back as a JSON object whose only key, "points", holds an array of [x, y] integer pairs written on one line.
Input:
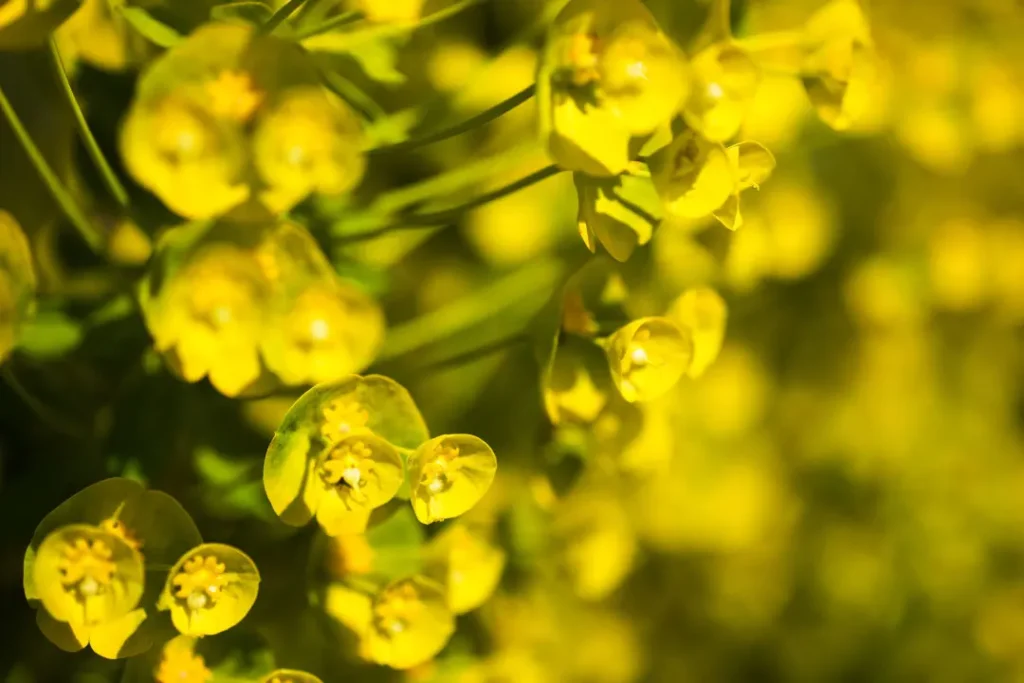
{"points": [[210, 589], [180, 664], [178, 148], [703, 312], [330, 330], [350, 479], [840, 66], [448, 475], [25, 24], [289, 676], [232, 95], [98, 35], [620, 214], [696, 177], [210, 316], [597, 542], [725, 82], [307, 141], [390, 11], [17, 282], [647, 357], [608, 74], [575, 384], [324, 418], [468, 565], [410, 623], [87, 577]]}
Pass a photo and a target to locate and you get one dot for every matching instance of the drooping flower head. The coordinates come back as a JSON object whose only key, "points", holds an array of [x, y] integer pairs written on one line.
{"points": [[210, 589], [339, 451], [17, 282], [608, 74], [231, 114]]}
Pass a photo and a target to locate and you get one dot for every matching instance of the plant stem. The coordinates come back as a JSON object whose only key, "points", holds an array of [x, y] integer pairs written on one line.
{"points": [[63, 198], [334, 22], [114, 185], [467, 125], [281, 15], [40, 409], [351, 94]]}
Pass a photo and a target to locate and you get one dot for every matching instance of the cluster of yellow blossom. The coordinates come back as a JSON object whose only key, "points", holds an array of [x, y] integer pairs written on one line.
{"points": [[231, 114], [249, 299], [90, 564], [643, 127], [17, 282]]}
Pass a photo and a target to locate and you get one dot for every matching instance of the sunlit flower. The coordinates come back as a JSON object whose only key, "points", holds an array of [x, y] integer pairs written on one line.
{"points": [[179, 663], [648, 356], [703, 312], [17, 282], [180, 150], [210, 315], [389, 11], [330, 330], [620, 214], [307, 141], [448, 475], [467, 564], [725, 82], [87, 577], [608, 74], [840, 66], [210, 589], [351, 478], [410, 623]]}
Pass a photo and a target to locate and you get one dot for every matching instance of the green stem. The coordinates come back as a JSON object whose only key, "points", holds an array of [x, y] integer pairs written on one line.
{"points": [[334, 22], [114, 185], [537, 277], [281, 15], [410, 221], [723, 18], [475, 122], [51, 418], [467, 357], [351, 94], [63, 198]]}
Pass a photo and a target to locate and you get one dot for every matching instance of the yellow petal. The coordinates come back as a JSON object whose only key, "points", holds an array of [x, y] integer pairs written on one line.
{"points": [[210, 589], [448, 475], [647, 357], [694, 176]]}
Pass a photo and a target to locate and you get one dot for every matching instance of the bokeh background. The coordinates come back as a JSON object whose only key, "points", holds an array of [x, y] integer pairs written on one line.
{"points": [[837, 499]]}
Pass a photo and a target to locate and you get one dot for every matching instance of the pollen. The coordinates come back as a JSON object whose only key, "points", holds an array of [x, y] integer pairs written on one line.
{"points": [[200, 582], [87, 567], [181, 665], [348, 467], [396, 608], [436, 472], [233, 96]]}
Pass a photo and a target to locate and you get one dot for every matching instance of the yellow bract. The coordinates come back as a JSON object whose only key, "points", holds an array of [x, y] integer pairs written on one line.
{"points": [[468, 565], [448, 475], [230, 114], [329, 330], [350, 478], [409, 624], [210, 589], [725, 82], [289, 676], [608, 74], [307, 141], [87, 577], [180, 664], [840, 66], [703, 312], [389, 11], [17, 282], [647, 357]]}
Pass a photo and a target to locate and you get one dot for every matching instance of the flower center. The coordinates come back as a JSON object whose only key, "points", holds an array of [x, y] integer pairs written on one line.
{"points": [[117, 528], [200, 582], [436, 472], [232, 95], [395, 610], [348, 468], [181, 665], [86, 567]]}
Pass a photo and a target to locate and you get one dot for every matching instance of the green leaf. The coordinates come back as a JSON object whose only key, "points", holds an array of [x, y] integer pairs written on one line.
{"points": [[217, 469], [377, 58], [153, 30], [250, 12], [391, 129], [397, 544], [49, 334]]}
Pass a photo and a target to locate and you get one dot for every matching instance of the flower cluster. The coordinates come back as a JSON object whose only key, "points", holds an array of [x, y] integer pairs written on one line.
{"points": [[249, 296], [230, 115], [348, 447], [643, 127]]}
